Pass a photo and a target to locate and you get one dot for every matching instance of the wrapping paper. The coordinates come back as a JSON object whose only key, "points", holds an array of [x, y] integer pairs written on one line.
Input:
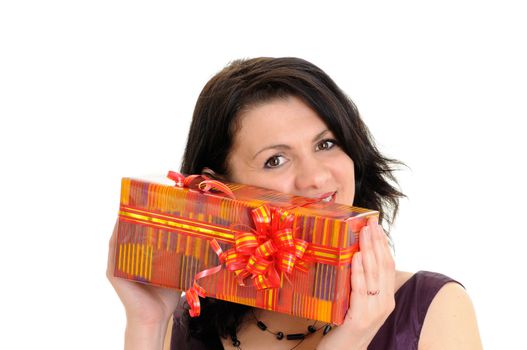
{"points": [[165, 232]]}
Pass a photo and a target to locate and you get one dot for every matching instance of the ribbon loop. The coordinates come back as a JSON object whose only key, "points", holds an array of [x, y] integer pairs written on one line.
{"points": [[300, 247], [245, 242], [287, 262], [285, 238], [268, 251], [258, 265], [206, 185]]}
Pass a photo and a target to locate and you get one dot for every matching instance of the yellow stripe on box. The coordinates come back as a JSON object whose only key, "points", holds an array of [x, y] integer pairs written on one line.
{"points": [[327, 255], [325, 236], [150, 257], [190, 220], [125, 192], [120, 257], [128, 259], [140, 260], [173, 224], [335, 235], [134, 259]]}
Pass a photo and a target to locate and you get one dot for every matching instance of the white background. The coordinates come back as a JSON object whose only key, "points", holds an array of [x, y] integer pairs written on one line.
{"points": [[92, 91]]}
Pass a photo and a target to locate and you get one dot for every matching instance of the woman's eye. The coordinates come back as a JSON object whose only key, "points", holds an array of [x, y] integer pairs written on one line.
{"points": [[274, 161], [326, 144]]}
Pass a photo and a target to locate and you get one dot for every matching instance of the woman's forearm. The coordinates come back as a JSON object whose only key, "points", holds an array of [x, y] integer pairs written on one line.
{"points": [[145, 337]]}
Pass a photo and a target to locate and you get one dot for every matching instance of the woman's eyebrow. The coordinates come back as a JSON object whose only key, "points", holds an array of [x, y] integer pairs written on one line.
{"points": [[287, 147], [320, 135], [279, 146]]}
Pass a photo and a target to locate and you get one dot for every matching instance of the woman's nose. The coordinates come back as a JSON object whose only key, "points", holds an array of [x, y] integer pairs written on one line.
{"points": [[312, 175]]}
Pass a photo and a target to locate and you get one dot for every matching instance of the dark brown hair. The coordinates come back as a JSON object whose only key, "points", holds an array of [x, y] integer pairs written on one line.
{"points": [[246, 83]]}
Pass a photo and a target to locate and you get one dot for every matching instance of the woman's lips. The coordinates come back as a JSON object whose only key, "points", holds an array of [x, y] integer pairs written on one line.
{"points": [[328, 197]]}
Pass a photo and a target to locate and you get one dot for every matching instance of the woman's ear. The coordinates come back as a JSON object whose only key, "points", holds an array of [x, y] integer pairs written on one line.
{"points": [[210, 173]]}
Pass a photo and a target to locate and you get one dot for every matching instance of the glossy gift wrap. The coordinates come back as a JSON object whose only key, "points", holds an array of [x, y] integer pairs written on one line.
{"points": [[253, 246]]}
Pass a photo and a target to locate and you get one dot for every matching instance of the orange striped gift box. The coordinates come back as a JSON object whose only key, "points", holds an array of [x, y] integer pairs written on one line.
{"points": [[165, 232]]}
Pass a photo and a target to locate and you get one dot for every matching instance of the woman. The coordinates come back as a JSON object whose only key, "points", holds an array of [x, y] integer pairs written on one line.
{"points": [[283, 124]]}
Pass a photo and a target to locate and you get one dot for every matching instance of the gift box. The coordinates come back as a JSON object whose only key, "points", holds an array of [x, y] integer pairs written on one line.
{"points": [[239, 243]]}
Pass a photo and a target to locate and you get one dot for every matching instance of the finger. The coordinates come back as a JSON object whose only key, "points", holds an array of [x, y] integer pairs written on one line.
{"points": [[111, 251], [369, 262], [358, 279], [358, 287], [384, 259], [380, 246]]}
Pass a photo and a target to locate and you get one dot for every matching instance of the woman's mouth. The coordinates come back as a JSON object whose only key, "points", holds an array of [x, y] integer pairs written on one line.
{"points": [[328, 197]]}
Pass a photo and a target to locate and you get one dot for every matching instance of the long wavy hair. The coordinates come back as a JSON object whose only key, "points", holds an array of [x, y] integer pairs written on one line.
{"points": [[246, 83]]}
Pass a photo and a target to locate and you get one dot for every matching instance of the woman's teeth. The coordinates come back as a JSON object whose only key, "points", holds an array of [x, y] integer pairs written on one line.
{"points": [[328, 198]]}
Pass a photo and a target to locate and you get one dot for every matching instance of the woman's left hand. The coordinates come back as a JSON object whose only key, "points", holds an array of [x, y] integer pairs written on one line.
{"points": [[372, 292]]}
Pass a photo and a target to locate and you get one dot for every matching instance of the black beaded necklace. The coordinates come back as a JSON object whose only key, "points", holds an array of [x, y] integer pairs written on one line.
{"points": [[311, 329]]}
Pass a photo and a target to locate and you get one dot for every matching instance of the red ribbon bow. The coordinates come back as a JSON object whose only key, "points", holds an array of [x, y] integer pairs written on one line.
{"points": [[267, 251]]}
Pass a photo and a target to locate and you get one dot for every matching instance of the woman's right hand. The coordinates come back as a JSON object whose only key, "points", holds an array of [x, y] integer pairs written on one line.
{"points": [[372, 292], [148, 308]]}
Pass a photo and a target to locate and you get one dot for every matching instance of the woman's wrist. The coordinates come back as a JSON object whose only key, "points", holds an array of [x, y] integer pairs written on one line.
{"points": [[139, 335]]}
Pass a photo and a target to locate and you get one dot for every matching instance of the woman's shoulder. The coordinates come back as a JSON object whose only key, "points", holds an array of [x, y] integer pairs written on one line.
{"points": [[438, 309], [415, 292], [414, 295], [450, 321]]}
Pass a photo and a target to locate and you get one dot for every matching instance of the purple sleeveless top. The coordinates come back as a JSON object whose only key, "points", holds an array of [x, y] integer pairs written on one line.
{"points": [[401, 329]]}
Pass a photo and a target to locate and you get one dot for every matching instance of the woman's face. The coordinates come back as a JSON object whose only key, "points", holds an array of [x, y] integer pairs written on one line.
{"points": [[283, 145]]}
